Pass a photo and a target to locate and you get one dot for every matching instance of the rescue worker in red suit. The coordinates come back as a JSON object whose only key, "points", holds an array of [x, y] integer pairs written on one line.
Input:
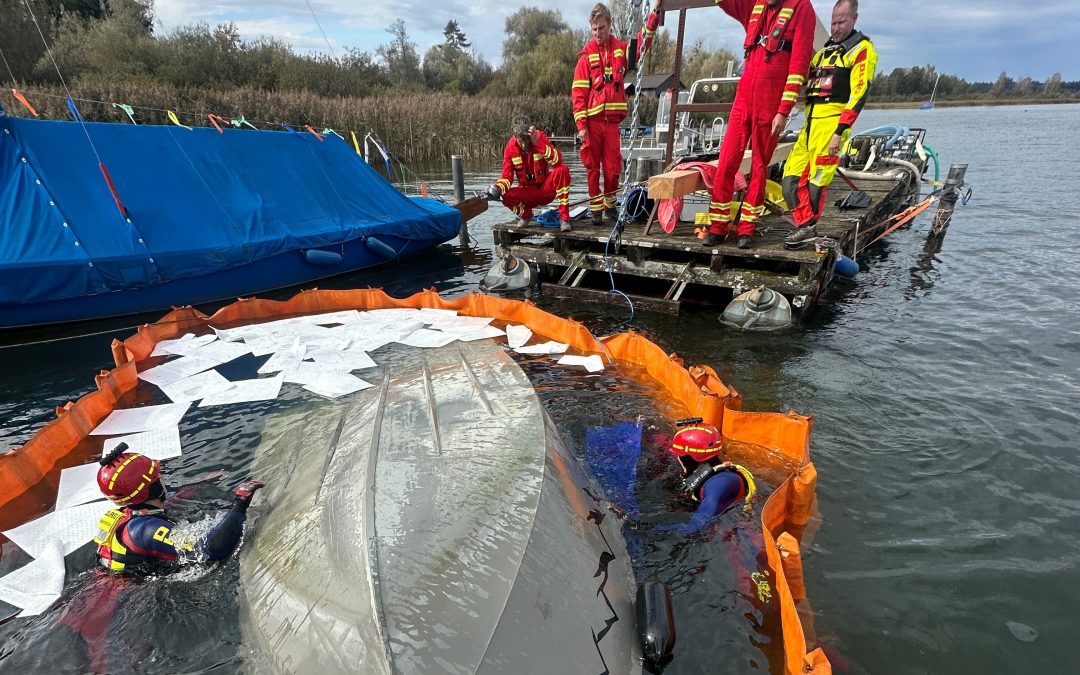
{"points": [[599, 102], [530, 159], [137, 537], [713, 484], [840, 76], [779, 42]]}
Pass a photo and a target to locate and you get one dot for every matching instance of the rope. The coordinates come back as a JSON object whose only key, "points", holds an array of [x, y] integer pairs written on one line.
{"points": [[48, 50], [903, 217], [10, 74], [616, 230], [328, 45]]}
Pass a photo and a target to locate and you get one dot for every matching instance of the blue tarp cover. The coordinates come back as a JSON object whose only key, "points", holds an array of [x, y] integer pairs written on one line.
{"points": [[199, 201]]}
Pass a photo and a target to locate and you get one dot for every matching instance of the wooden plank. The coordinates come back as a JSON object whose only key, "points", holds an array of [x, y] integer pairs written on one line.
{"points": [[727, 277], [682, 182], [609, 298], [471, 208]]}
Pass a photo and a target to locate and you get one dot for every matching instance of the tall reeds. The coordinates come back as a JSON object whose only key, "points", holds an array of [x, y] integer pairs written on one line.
{"points": [[417, 127]]}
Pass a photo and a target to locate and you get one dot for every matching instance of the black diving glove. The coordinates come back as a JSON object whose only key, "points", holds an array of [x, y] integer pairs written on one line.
{"points": [[245, 492], [494, 194]]}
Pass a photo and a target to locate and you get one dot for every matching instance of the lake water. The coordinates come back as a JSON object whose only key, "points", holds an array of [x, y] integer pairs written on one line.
{"points": [[945, 386]]}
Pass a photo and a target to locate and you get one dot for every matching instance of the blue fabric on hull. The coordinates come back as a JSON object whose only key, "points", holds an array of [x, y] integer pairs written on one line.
{"points": [[199, 201], [612, 455]]}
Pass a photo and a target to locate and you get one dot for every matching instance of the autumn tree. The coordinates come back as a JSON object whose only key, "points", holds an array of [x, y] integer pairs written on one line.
{"points": [[525, 28]]}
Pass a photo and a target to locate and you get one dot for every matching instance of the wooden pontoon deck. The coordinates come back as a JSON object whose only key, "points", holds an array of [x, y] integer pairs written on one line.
{"points": [[661, 271]]}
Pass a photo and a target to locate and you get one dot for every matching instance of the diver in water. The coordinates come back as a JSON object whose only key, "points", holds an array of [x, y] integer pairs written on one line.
{"points": [[715, 484], [136, 537]]}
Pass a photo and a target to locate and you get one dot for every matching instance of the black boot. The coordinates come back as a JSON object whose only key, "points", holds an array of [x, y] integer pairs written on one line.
{"points": [[597, 218], [713, 239], [612, 214], [744, 241], [801, 236]]}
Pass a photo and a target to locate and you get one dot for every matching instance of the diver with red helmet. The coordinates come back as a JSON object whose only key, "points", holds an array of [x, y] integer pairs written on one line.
{"points": [[716, 485], [136, 537]]}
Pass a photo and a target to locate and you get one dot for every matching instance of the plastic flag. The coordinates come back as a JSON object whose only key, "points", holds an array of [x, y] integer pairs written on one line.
{"points": [[175, 120]]}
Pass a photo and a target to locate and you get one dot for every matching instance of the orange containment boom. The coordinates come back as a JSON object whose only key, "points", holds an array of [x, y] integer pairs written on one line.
{"points": [[28, 475]]}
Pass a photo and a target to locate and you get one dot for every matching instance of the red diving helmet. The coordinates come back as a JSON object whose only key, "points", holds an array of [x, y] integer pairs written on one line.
{"points": [[696, 440], [128, 477]]}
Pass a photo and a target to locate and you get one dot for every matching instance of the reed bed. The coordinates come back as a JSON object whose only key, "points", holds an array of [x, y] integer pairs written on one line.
{"points": [[416, 127]]}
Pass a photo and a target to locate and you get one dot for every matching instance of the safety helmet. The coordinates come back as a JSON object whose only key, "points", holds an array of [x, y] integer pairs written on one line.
{"points": [[700, 442], [127, 477]]}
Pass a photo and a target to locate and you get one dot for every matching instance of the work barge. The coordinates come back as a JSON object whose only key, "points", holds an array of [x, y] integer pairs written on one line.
{"points": [[665, 271]]}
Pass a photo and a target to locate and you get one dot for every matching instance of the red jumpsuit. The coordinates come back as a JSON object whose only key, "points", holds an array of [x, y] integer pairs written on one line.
{"points": [[541, 177], [599, 102], [773, 73]]}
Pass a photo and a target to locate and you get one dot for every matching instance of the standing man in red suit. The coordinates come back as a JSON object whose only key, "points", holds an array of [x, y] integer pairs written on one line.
{"points": [[778, 45], [599, 105]]}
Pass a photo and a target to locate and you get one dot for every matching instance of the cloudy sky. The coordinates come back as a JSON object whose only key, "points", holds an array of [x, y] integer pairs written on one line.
{"points": [[976, 41]]}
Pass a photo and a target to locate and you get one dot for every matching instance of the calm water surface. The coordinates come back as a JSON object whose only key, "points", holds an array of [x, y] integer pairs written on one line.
{"points": [[945, 386]]}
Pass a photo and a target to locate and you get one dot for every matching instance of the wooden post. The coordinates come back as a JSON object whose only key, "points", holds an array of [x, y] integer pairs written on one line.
{"points": [[457, 168], [950, 192]]}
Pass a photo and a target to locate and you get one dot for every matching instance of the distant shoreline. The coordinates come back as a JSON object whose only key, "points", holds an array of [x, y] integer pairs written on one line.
{"points": [[969, 103]]}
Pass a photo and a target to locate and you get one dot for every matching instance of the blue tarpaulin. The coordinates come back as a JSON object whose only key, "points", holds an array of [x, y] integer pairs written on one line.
{"points": [[199, 202]]}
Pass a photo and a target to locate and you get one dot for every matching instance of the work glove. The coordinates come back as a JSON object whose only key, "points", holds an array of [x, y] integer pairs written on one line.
{"points": [[494, 193], [246, 491]]}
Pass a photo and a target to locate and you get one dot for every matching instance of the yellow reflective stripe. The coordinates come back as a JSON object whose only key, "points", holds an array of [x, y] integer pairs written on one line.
{"points": [[607, 70], [795, 79], [751, 486], [503, 184], [537, 156], [580, 83], [619, 52], [593, 58], [758, 9], [581, 114], [516, 161], [785, 13], [595, 110], [616, 106]]}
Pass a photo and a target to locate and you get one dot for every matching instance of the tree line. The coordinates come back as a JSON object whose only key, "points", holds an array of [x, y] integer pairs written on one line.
{"points": [[107, 50]]}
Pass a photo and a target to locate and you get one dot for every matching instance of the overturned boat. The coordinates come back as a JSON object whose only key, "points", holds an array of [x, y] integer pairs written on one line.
{"points": [[101, 220], [435, 524]]}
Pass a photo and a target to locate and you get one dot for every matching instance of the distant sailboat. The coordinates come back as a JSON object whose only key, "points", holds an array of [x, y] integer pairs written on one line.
{"points": [[929, 105]]}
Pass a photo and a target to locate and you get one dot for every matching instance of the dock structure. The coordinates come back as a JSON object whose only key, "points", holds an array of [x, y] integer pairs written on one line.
{"points": [[662, 271]]}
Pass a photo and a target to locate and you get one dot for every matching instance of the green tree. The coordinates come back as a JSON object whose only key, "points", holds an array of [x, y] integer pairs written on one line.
{"points": [[548, 69], [19, 40], [119, 46], [455, 38], [525, 27], [402, 61]]}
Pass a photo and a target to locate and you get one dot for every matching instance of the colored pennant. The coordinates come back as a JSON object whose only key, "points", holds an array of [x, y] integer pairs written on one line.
{"points": [[22, 99], [242, 122], [75, 115], [128, 110], [356, 143], [214, 119], [286, 127], [316, 133], [175, 120], [327, 131]]}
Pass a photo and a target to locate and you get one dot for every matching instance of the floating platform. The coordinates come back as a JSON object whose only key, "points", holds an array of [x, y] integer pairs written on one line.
{"points": [[661, 271]]}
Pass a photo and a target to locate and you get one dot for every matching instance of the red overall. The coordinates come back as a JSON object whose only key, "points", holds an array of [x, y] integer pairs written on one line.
{"points": [[599, 102], [779, 42], [541, 177]]}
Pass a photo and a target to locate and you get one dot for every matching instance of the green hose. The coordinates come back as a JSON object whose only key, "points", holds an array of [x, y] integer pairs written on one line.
{"points": [[930, 151]]}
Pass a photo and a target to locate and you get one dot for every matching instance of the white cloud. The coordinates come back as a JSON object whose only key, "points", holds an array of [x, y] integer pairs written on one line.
{"points": [[967, 39]]}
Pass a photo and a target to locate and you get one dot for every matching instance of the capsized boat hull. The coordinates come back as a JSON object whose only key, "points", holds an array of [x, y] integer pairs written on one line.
{"points": [[434, 524]]}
